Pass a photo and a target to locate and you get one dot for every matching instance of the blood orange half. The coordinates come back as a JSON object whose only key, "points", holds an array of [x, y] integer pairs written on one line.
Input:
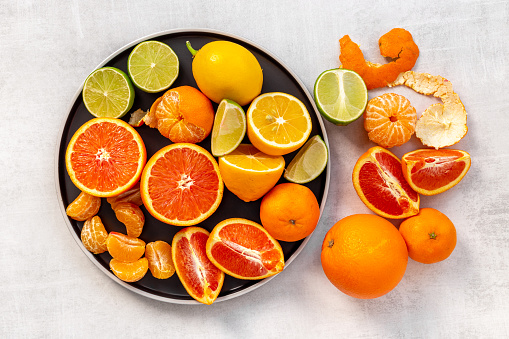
{"points": [[430, 171], [105, 157], [379, 182], [181, 185], [244, 249], [201, 279]]}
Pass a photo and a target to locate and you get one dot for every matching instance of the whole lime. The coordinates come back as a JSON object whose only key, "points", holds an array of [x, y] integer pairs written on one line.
{"points": [[226, 70]]}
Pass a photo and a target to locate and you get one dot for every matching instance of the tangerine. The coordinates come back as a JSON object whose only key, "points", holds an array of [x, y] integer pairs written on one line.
{"points": [[182, 114], [430, 236], [129, 271], [181, 185], [364, 256], [160, 263], [125, 248], [287, 218], [84, 207], [94, 235], [390, 120], [131, 216], [244, 249]]}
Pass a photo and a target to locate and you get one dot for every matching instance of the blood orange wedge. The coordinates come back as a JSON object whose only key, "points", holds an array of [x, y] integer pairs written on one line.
{"points": [[181, 185], [105, 157], [379, 182], [244, 249], [201, 279], [430, 171]]}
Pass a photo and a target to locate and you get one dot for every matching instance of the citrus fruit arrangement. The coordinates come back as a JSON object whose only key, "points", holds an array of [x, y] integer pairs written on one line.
{"points": [[212, 174], [365, 256]]}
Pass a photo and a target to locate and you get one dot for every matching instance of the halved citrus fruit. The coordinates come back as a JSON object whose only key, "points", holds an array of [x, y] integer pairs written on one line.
{"points": [[181, 185], [129, 271], [249, 173], [159, 258], [278, 123], [244, 249], [201, 279], [125, 248], [379, 182], [105, 157], [430, 171]]}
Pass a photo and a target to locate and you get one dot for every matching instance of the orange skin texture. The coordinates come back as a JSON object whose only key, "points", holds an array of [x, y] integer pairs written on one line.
{"points": [[364, 256], [287, 218], [397, 44], [430, 236]]}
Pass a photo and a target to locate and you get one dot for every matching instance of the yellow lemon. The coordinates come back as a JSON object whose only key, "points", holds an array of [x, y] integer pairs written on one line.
{"points": [[226, 70]]}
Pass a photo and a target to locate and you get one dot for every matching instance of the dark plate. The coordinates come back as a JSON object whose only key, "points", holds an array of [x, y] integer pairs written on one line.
{"points": [[277, 78]]}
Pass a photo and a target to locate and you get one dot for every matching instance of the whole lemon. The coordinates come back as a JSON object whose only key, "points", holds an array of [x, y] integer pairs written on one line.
{"points": [[226, 70]]}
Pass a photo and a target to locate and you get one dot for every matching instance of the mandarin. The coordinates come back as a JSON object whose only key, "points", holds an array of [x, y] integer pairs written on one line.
{"points": [[287, 218], [129, 271], [364, 256], [84, 207], [93, 235], [430, 236], [124, 247]]}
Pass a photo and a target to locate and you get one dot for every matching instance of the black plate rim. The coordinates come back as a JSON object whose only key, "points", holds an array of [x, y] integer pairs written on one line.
{"points": [[59, 142]]}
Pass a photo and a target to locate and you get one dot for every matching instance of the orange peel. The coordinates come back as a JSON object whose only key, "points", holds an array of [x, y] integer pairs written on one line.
{"points": [[440, 125], [396, 44]]}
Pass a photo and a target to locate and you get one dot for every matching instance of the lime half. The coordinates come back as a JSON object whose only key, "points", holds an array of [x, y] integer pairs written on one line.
{"points": [[229, 128], [341, 95], [153, 66], [309, 162], [108, 93]]}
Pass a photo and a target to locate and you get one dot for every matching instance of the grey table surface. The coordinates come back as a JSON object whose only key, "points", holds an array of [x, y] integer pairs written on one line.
{"points": [[49, 288]]}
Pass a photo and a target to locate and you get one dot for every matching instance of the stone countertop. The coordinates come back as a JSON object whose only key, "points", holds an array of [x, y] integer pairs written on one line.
{"points": [[49, 288]]}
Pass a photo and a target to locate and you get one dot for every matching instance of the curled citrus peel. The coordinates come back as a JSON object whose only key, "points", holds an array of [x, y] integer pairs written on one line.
{"points": [[397, 44], [440, 125]]}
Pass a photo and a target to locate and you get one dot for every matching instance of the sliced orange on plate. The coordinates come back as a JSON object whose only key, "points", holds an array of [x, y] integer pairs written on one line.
{"points": [[378, 180], [244, 249], [105, 157], [200, 277], [430, 171], [181, 185]]}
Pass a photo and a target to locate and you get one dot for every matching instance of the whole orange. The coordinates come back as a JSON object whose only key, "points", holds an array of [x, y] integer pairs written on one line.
{"points": [[364, 256], [289, 212], [430, 236]]}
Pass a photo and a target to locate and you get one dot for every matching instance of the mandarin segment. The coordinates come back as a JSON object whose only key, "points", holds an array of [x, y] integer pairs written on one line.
{"points": [[125, 248], [84, 207], [160, 263], [131, 216], [244, 249], [199, 276], [132, 195], [129, 271], [94, 235]]}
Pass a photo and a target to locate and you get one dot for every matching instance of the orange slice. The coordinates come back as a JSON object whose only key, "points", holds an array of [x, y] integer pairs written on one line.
{"points": [[278, 123], [201, 279], [129, 271], [124, 247], [379, 182], [430, 172], [105, 157], [94, 235], [85, 206], [159, 258], [249, 173], [181, 185], [244, 249]]}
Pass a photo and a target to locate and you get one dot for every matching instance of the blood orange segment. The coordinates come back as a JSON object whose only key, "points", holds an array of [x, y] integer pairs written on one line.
{"points": [[379, 182], [105, 157], [430, 171], [181, 185], [201, 279], [129, 271], [124, 247], [244, 249]]}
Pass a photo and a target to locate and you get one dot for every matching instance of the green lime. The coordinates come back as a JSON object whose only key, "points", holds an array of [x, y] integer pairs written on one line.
{"points": [[340, 95], [309, 162], [108, 93], [153, 66], [229, 128]]}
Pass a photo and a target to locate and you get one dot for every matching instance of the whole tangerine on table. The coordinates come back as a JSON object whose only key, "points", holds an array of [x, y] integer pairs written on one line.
{"points": [[287, 218], [430, 236], [364, 256]]}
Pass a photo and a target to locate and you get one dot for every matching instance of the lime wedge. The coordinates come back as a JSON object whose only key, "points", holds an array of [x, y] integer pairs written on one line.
{"points": [[309, 162], [340, 95], [108, 93], [153, 66], [229, 128]]}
